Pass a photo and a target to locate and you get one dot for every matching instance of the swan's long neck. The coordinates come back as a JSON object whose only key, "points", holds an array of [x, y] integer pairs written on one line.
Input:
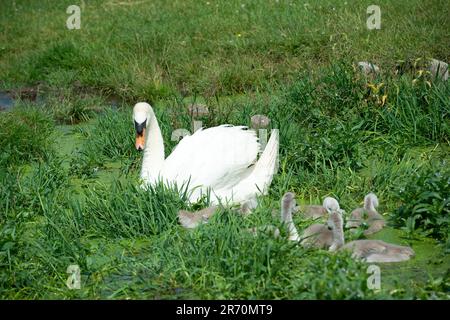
{"points": [[153, 151], [338, 230], [370, 202], [286, 217]]}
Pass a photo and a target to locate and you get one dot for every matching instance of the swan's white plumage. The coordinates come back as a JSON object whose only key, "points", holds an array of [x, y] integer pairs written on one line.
{"points": [[221, 159], [258, 178], [230, 149]]}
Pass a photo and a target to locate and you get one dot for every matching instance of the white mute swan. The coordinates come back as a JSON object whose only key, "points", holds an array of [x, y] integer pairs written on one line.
{"points": [[368, 215], [221, 160]]}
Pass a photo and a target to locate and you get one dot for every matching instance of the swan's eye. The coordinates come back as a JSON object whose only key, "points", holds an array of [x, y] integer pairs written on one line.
{"points": [[140, 126]]}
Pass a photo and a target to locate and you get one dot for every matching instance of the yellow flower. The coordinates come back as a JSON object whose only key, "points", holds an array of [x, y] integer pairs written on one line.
{"points": [[374, 87]]}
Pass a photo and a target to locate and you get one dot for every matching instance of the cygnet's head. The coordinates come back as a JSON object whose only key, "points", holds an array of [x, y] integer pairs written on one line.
{"points": [[335, 221], [336, 224], [371, 201], [331, 204]]}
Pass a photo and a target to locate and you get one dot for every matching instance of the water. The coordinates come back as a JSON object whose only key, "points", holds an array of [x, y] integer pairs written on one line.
{"points": [[6, 101], [430, 260]]}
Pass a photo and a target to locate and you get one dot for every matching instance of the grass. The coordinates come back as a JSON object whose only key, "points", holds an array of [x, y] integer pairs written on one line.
{"points": [[24, 136], [426, 204], [153, 49], [69, 174]]}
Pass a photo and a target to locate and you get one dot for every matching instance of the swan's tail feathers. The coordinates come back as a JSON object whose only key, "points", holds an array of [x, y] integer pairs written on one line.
{"points": [[259, 176], [370, 201], [267, 165]]}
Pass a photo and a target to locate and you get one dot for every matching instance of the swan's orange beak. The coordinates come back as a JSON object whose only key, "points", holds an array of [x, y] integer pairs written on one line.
{"points": [[140, 140]]}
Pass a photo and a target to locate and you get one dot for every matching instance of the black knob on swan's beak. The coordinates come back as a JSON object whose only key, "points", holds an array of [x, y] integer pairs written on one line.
{"points": [[140, 127], [140, 134]]}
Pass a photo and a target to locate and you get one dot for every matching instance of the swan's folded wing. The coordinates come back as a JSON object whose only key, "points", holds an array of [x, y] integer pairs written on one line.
{"points": [[260, 176], [215, 157]]}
